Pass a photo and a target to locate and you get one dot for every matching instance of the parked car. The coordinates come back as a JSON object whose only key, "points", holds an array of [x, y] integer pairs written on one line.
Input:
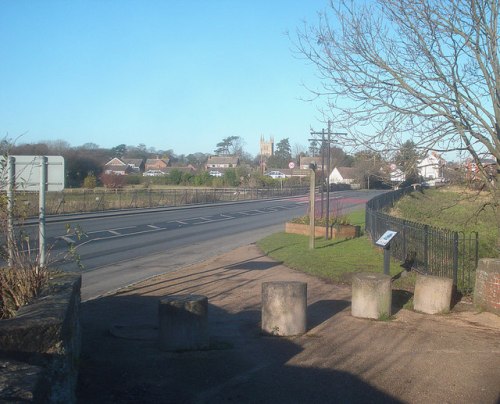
{"points": [[153, 173], [275, 174]]}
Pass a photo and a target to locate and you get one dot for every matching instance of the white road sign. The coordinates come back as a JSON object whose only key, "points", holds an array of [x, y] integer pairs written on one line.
{"points": [[27, 173]]}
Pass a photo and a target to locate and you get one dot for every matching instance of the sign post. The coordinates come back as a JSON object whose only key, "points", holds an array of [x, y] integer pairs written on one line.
{"points": [[10, 208], [31, 174], [385, 242]]}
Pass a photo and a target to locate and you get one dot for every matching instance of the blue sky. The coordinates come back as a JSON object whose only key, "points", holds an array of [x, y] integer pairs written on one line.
{"points": [[171, 74]]}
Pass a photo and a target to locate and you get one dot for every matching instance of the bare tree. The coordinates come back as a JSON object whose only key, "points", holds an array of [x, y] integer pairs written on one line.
{"points": [[427, 70]]}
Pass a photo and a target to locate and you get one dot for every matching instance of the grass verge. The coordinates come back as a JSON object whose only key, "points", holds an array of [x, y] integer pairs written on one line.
{"points": [[333, 260]]}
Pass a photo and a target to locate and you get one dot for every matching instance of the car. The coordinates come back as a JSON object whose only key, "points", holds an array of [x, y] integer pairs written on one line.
{"points": [[153, 173], [275, 174]]}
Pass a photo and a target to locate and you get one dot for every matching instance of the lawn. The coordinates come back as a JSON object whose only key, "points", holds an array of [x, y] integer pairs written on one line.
{"points": [[332, 260]]}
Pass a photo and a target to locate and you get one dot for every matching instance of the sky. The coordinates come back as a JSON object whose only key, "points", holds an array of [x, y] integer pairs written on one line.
{"points": [[170, 74]]}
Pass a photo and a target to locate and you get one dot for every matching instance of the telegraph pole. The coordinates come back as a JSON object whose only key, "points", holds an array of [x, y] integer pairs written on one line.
{"points": [[328, 141]]}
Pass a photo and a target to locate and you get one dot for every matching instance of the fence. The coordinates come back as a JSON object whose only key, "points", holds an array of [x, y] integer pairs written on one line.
{"points": [[74, 201], [425, 248]]}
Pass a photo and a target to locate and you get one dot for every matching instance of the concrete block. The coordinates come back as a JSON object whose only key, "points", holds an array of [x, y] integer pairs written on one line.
{"points": [[284, 307], [371, 295], [432, 294], [183, 322], [487, 289]]}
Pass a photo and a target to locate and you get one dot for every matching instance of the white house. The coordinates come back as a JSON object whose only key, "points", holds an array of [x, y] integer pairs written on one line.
{"points": [[397, 175], [431, 167], [342, 175]]}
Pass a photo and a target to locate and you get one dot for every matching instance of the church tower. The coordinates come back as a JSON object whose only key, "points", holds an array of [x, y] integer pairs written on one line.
{"points": [[266, 148], [266, 151]]}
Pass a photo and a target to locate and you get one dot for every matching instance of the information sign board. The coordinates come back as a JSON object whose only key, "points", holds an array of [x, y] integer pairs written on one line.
{"points": [[386, 238], [27, 171]]}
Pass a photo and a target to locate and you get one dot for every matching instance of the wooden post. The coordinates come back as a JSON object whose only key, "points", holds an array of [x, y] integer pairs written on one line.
{"points": [[312, 207]]}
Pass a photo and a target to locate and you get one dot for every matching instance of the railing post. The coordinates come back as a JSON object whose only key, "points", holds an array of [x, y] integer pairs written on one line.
{"points": [[426, 248], [404, 238], [455, 258]]}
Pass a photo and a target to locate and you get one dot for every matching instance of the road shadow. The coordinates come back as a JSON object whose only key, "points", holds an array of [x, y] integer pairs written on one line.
{"points": [[241, 366]]}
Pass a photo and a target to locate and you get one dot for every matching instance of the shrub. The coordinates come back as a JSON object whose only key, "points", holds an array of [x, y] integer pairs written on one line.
{"points": [[113, 180], [90, 181]]}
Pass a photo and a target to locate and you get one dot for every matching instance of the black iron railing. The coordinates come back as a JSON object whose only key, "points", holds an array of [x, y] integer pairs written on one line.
{"points": [[425, 248]]}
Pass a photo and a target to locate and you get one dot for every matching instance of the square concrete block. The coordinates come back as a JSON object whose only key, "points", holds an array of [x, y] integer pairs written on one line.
{"points": [[432, 294], [371, 295]]}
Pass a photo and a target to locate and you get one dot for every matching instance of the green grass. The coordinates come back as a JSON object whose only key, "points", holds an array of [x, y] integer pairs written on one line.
{"points": [[332, 260], [454, 209]]}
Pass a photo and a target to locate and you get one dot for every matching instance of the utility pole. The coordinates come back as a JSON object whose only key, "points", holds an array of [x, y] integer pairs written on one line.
{"points": [[328, 141]]}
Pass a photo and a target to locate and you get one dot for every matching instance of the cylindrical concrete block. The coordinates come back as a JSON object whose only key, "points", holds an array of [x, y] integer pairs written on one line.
{"points": [[371, 295], [432, 294], [284, 307], [487, 289], [183, 322]]}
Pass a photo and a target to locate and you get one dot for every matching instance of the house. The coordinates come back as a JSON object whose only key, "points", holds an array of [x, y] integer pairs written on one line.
{"points": [[343, 175], [473, 172], [136, 165], [431, 167], [222, 162], [117, 166], [306, 161], [396, 175], [156, 164]]}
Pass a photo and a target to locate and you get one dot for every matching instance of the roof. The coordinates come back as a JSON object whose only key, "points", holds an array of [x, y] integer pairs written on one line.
{"points": [[307, 160], [115, 161], [133, 162], [154, 161], [347, 172], [223, 160]]}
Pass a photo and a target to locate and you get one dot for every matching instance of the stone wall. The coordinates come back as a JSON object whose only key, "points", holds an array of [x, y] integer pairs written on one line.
{"points": [[40, 347]]}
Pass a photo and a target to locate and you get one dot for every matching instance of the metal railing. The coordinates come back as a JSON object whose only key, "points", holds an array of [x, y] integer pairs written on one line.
{"points": [[424, 248], [79, 201]]}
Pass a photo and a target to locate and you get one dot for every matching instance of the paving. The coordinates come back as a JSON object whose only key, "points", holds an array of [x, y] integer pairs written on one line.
{"points": [[411, 358]]}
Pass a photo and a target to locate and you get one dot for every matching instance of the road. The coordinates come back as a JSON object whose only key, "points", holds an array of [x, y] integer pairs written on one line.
{"points": [[117, 249]]}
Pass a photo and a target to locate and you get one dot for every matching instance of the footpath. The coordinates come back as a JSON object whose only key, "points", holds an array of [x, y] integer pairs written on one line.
{"points": [[413, 358]]}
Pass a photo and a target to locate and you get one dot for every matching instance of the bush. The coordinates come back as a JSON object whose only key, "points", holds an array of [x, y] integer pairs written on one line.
{"points": [[18, 286], [113, 180], [90, 181], [133, 179]]}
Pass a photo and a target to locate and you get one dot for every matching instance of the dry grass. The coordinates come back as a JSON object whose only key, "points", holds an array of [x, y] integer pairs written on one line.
{"points": [[18, 286]]}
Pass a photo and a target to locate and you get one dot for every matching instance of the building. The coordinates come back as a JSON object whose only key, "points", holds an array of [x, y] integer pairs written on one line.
{"points": [[136, 165], [266, 147], [306, 161], [343, 175], [222, 162], [156, 164], [431, 167], [117, 166]]}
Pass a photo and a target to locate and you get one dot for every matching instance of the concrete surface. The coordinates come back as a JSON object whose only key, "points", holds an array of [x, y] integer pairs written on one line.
{"points": [[414, 358]]}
